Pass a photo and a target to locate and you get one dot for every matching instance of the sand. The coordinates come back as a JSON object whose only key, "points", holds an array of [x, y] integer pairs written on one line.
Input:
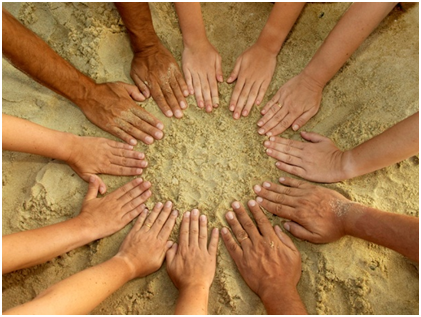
{"points": [[209, 160]]}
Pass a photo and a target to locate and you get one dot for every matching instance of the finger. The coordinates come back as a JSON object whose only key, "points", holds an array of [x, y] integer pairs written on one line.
{"points": [[280, 210], [233, 248], [251, 99], [141, 85], [134, 192], [245, 221], [133, 131], [218, 69], [150, 220], [285, 145], [291, 169], [185, 230], [118, 132], [299, 231], [169, 93], [206, 94], [276, 193], [120, 192], [313, 137], [170, 255], [295, 183], [235, 95], [133, 91], [141, 219], [242, 100], [102, 186], [189, 80], [282, 125], [214, 92], [271, 118], [198, 91], [213, 244], [234, 74], [183, 87], [194, 228], [140, 199], [181, 101], [203, 232], [162, 219], [262, 221], [158, 96], [303, 119], [270, 103], [239, 233], [285, 239], [131, 214], [147, 117], [93, 188], [262, 92], [278, 123], [128, 158], [286, 158], [166, 230]]}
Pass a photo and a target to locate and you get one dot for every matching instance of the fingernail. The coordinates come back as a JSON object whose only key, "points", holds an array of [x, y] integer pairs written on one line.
{"points": [[257, 188], [295, 127], [229, 79], [102, 189], [158, 205], [185, 93], [260, 123], [159, 125], [174, 213], [170, 244], [236, 115], [168, 204], [266, 185], [266, 143], [224, 230], [203, 218], [141, 156], [159, 135], [220, 78], [232, 107], [169, 113], [272, 138], [252, 203], [257, 102], [269, 134], [178, 113], [282, 179], [245, 113], [230, 215], [261, 131], [92, 179], [187, 214], [149, 139], [286, 226], [269, 151], [183, 105], [133, 142], [259, 199], [236, 204], [139, 171], [278, 164], [195, 212]]}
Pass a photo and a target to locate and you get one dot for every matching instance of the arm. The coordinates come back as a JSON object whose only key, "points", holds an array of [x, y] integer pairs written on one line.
{"points": [[141, 253], [154, 70], [254, 68], [267, 259], [87, 156], [320, 160], [300, 97], [98, 218], [321, 215], [191, 264], [201, 62], [110, 106]]}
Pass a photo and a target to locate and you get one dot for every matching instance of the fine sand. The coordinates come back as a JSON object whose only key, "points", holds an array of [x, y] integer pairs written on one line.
{"points": [[209, 160]]}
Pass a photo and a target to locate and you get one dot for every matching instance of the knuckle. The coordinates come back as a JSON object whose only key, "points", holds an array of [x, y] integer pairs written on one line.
{"points": [[241, 235], [278, 209], [279, 198], [233, 246], [261, 220]]}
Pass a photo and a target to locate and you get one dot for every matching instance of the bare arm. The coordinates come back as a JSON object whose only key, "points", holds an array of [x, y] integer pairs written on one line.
{"points": [[320, 160], [99, 217], [321, 215], [141, 253], [110, 106]]}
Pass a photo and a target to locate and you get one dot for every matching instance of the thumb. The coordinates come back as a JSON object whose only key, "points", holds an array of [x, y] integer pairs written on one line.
{"points": [[134, 92], [234, 72], [299, 231], [93, 187], [169, 256], [302, 120], [218, 68], [313, 137]]}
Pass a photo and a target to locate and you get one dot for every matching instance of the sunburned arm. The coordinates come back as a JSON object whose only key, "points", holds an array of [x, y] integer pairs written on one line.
{"points": [[352, 29], [80, 293], [393, 145]]}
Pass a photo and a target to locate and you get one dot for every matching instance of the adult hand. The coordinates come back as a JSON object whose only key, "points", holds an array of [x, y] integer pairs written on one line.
{"points": [[109, 214], [317, 213], [110, 106], [191, 263], [90, 156], [318, 160], [144, 247], [253, 71], [202, 69], [293, 105], [156, 72], [266, 257]]}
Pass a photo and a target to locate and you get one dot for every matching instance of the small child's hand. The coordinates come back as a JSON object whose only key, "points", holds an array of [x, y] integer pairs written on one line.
{"points": [[253, 71], [90, 156], [106, 215], [296, 102]]}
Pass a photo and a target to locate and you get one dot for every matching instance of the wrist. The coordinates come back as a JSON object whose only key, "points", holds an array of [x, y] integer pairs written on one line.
{"points": [[349, 165], [270, 43], [197, 288], [285, 300], [68, 146], [127, 267], [145, 40], [313, 77], [198, 39]]}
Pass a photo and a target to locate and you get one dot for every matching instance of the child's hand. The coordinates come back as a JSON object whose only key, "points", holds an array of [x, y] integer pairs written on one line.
{"points": [[90, 156], [202, 69], [296, 102], [318, 160], [253, 70], [191, 264], [144, 247], [106, 215]]}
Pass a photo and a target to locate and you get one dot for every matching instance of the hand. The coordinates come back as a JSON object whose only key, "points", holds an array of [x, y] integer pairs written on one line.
{"points": [[155, 71], [110, 106], [202, 69], [267, 260], [191, 263], [144, 247], [253, 70], [107, 215], [317, 213], [293, 105], [90, 156], [318, 161]]}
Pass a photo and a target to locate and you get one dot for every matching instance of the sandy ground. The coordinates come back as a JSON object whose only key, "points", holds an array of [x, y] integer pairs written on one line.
{"points": [[208, 160]]}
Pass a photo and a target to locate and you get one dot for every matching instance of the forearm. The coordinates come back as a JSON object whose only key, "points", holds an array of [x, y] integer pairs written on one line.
{"points": [[395, 231], [26, 51], [283, 302], [138, 21], [393, 145], [80, 293], [24, 136], [191, 22], [352, 29], [28, 248], [279, 24], [192, 301]]}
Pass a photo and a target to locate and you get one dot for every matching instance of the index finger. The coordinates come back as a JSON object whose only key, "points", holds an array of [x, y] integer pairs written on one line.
{"points": [[261, 219]]}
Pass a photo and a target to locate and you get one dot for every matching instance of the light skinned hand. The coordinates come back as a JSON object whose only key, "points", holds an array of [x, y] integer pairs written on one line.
{"points": [[90, 156], [155, 71], [192, 263], [253, 71], [266, 257], [202, 70], [316, 213], [318, 160], [144, 247], [296, 102], [108, 214], [111, 107]]}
